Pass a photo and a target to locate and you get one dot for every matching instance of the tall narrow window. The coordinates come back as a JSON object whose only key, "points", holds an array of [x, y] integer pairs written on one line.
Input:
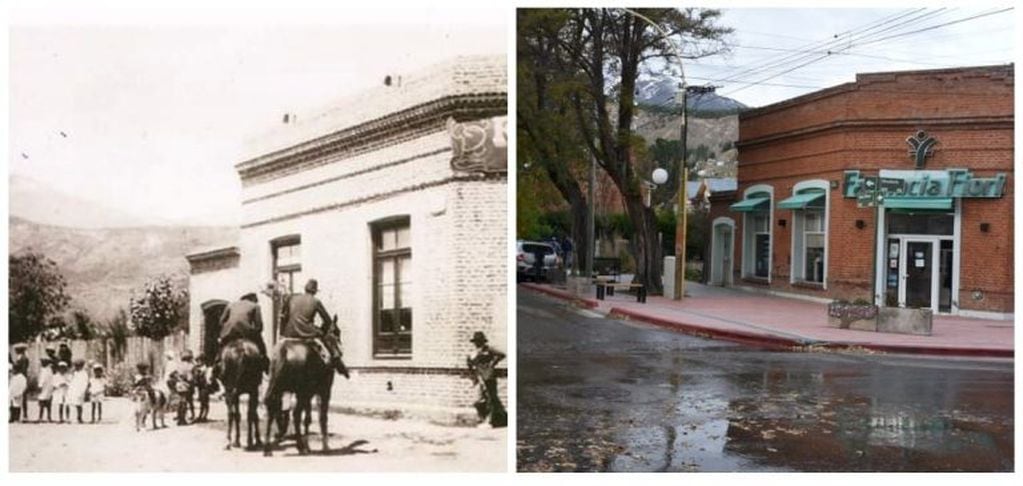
{"points": [[392, 286], [813, 245], [761, 243], [287, 272]]}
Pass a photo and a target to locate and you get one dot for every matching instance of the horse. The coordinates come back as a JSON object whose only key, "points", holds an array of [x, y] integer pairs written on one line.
{"points": [[241, 374], [148, 402], [297, 367]]}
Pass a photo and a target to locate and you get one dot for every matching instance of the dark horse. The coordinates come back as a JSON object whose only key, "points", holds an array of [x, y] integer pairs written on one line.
{"points": [[242, 373], [298, 368]]}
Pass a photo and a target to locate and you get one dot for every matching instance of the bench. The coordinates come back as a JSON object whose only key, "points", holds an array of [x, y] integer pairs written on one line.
{"points": [[606, 287], [606, 266]]}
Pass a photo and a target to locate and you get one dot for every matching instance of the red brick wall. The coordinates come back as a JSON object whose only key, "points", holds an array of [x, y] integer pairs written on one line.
{"points": [[864, 125]]}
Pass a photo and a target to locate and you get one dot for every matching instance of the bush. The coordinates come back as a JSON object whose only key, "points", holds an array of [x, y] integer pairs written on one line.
{"points": [[120, 380]]}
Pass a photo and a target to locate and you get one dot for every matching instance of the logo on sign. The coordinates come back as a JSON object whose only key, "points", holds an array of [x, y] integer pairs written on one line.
{"points": [[921, 146]]}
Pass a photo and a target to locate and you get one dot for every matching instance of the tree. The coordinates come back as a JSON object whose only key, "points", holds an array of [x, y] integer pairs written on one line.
{"points": [[549, 147], [79, 325], [158, 308], [605, 49], [36, 295], [118, 330]]}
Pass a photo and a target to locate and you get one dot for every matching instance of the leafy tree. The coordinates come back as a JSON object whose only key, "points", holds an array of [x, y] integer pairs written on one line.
{"points": [[599, 52], [36, 295], [158, 308], [81, 326], [548, 138]]}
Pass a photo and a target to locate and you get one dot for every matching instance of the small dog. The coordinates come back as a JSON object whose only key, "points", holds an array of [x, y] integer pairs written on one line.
{"points": [[148, 402]]}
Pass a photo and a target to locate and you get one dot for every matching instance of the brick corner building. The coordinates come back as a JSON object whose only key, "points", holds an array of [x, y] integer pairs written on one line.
{"points": [[895, 188], [395, 200]]}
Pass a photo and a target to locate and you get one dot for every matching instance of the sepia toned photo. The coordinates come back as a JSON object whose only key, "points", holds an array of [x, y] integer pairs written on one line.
{"points": [[773, 239], [259, 246]]}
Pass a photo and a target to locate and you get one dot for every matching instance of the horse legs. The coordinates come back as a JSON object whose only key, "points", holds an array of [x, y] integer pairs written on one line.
{"points": [[324, 404], [272, 402], [253, 418], [230, 419], [304, 406]]}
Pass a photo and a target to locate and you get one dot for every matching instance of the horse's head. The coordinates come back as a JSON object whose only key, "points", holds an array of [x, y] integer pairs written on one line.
{"points": [[333, 330]]}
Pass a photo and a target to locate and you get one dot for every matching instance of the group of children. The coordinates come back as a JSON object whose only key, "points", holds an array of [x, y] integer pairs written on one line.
{"points": [[61, 386]]}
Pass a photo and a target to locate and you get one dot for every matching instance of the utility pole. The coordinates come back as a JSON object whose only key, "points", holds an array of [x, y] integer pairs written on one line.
{"points": [[590, 224], [681, 216]]}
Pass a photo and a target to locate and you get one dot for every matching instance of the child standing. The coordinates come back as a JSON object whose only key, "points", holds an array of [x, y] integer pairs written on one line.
{"points": [[45, 396], [78, 388], [97, 392], [60, 384], [17, 384]]}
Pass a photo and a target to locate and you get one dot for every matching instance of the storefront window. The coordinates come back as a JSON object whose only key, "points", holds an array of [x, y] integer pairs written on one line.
{"points": [[392, 277], [921, 223]]}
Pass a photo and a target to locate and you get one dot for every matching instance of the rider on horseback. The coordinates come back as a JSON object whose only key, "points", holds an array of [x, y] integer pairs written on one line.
{"points": [[299, 315], [244, 320]]}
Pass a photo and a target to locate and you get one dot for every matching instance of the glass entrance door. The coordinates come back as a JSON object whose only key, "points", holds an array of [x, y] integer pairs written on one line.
{"points": [[918, 274]]}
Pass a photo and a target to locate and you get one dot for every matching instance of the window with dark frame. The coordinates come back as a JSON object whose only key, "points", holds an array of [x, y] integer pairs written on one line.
{"points": [[287, 272], [392, 286]]}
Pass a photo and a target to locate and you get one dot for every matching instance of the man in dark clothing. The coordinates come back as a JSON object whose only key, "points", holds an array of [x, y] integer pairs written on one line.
{"points": [[482, 367], [243, 319], [299, 316]]}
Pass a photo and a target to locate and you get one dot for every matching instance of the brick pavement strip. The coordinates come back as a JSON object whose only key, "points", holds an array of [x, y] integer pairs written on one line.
{"points": [[357, 444]]}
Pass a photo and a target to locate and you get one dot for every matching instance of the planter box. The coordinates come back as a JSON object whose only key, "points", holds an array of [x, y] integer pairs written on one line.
{"points": [[860, 317], [905, 321]]}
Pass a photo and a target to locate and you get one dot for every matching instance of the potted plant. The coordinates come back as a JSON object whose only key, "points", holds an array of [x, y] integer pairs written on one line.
{"points": [[859, 314]]}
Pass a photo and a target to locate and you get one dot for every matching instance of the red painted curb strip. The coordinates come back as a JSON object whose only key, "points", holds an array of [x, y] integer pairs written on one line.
{"points": [[561, 294], [776, 342]]}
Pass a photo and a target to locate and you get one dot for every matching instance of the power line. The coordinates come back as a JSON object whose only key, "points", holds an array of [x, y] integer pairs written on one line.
{"points": [[902, 34]]}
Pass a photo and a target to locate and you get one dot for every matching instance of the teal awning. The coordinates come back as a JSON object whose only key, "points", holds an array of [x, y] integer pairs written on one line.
{"points": [[918, 203], [800, 201], [751, 204]]}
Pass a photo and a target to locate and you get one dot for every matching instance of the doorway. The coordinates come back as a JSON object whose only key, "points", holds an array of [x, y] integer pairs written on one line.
{"points": [[212, 310], [722, 248], [920, 272]]}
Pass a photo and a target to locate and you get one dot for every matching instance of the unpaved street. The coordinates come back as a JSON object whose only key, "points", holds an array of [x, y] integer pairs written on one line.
{"points": [[357, 444]]}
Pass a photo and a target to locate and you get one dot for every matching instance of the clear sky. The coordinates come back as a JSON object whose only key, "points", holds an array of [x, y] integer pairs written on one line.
{"points": [[155, 115]]}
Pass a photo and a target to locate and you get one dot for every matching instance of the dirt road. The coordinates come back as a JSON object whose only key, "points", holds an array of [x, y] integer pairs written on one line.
{"points": [[357, 444]]}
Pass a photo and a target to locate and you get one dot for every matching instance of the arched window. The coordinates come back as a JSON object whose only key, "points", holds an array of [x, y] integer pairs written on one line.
{"points": [[809, 205], [756, 235]]}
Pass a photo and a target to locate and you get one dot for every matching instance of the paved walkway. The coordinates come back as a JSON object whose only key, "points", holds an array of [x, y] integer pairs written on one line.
{"points": [[764, 320]]}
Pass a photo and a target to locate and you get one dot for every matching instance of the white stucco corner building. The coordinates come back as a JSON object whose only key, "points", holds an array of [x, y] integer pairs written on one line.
{"points": [[395, 200]]}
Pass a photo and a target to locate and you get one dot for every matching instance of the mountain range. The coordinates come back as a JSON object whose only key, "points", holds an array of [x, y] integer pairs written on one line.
{"points": [[103, 254]]}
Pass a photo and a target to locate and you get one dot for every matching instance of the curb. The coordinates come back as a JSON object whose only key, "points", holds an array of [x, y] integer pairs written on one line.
{"points": [[561, 294], [776, 342]]}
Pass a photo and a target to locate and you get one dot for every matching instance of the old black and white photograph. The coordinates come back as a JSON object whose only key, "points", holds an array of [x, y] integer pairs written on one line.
{"points": [[266, 242]]}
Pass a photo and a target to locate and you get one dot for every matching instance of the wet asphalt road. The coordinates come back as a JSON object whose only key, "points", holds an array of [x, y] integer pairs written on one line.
{"points": [[604, 395]]}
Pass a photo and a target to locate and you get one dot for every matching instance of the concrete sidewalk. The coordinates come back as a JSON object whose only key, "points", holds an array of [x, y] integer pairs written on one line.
{"points": [[779, 322]]}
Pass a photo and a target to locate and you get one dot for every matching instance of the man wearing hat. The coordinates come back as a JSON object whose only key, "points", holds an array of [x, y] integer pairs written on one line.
{"points": [[482, 366], [243, 320], [299, 315]]}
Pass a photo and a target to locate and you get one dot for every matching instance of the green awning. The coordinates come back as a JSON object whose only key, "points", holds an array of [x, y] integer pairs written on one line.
{"points": [[751, 204], [918, 203], [800, 201]]}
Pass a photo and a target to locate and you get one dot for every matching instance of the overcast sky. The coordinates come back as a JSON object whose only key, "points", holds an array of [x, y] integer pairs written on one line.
{"points": [[765, 39], [155, 114]]}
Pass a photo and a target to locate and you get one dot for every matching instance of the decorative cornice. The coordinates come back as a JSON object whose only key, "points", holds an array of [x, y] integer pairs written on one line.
{"points": [[968, 123], [391, 129]]}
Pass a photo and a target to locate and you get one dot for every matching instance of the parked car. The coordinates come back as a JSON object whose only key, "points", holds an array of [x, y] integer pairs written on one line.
{"points": [[525, 260]]}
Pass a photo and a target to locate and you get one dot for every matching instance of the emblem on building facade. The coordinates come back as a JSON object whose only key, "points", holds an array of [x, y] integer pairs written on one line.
{"points": [[921, 146], [480, 145]]}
